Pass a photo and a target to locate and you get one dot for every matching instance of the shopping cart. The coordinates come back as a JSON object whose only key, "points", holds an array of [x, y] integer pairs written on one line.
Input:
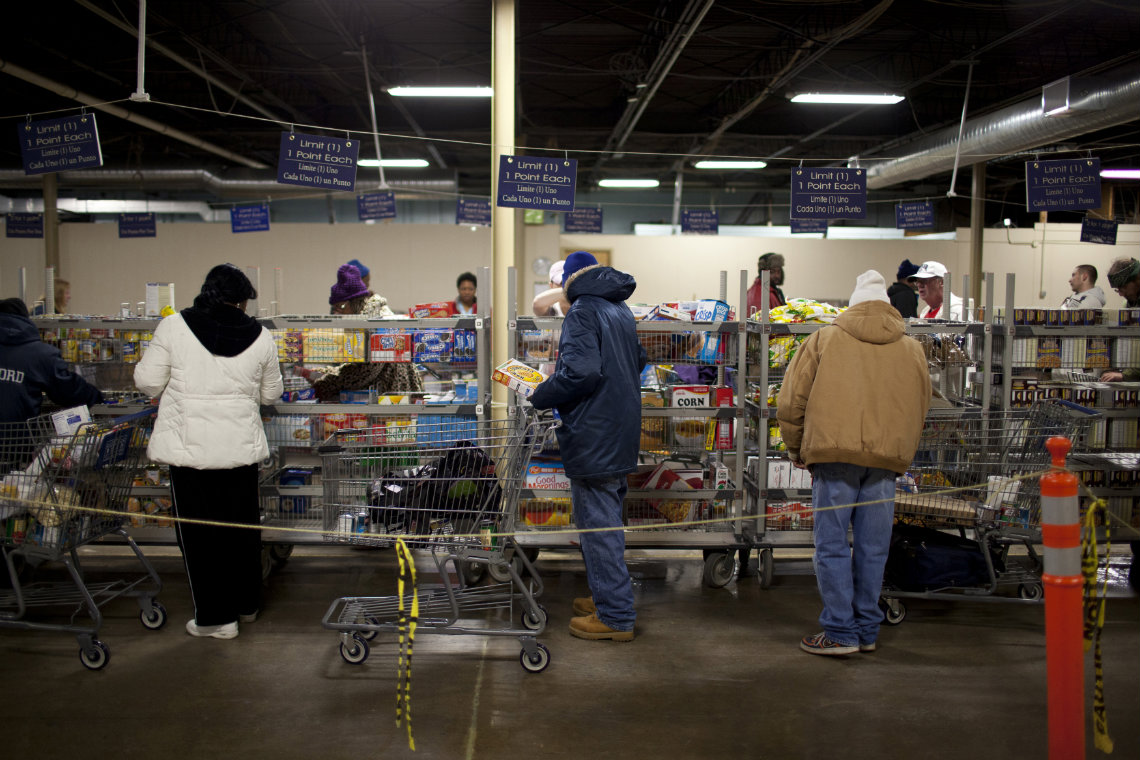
{"points": [[451, 488], [59, 492], [976, 472]]}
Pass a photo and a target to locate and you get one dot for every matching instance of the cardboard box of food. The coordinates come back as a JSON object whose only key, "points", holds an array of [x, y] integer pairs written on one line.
{"points": [[433, 310], [519, 377], [546, 475]]}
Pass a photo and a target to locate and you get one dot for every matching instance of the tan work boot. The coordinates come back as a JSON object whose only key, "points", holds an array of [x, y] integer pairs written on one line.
{"points": [[589, 627], [583, 606]]}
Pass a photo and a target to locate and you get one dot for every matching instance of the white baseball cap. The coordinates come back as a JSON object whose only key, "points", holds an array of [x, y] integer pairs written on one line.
{"points": [[556, 271], [930, 269]]}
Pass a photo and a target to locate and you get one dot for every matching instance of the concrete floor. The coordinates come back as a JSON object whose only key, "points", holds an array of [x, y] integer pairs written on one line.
{"points": [[712, 673]]}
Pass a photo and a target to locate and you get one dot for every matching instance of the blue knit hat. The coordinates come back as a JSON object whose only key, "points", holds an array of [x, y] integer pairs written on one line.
{"points": [[906, 270], [364, 271], [574, 262]]}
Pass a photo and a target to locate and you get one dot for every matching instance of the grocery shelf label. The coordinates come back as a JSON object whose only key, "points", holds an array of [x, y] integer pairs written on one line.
{"points": [[699, 222], [805, 226], [1101, 231], [19, 225], [137, 226], [914, 216], [1062, 185], [473, 212], [249, 218], [829, 193], [63, 144], [542, 183], [376, 206], [317, 161], [587, 220]]}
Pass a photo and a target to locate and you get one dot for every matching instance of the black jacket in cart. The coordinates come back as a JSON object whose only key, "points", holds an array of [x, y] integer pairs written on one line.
{"points": [[29, 368]]}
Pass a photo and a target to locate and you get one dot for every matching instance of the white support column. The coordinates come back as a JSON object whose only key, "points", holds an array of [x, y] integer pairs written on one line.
{"points": [[503, 142]]}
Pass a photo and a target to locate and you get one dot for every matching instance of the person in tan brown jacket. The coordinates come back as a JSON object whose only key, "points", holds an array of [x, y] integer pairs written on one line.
{"points": [[851, 410]]}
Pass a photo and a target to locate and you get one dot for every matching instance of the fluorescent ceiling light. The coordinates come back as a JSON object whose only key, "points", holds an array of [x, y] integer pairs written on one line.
{"points": [[629, 183], [441, 92], [405, 163], [1120, 173], [847, 98], [730, 164]]}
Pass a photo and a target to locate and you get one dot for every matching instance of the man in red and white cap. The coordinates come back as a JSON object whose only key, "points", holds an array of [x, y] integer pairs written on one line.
{"points": [[931, 289]]}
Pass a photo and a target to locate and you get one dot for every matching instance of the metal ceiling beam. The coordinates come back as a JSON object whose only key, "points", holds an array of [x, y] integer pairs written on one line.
{"points": [[99, 104]]}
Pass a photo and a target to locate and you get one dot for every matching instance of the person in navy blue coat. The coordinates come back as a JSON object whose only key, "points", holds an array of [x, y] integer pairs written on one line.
{"points": [[29, 368], [596, 389]]}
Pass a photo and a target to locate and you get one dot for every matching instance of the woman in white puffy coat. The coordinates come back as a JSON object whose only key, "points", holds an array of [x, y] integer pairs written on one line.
{"points": [[214, 366]]}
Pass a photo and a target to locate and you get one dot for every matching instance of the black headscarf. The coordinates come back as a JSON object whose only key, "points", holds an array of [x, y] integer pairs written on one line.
{"points": [[216, 322]]}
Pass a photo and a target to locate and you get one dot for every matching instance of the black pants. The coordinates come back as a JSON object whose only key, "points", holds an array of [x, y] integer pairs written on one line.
{"points": [[222, 564]]}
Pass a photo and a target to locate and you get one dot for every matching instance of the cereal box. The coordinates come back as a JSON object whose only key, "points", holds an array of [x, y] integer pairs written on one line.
{"points": [[519, 377], [435, 309]]}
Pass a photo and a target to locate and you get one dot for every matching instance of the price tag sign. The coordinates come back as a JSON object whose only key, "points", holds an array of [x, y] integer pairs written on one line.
{"points": [[1062, 185], [137, 226], [56, 145], [376, 206], [249, 218], [829, 193], [587, 220], [806, 226], [1101, 231], [542, 183], [473, 212], [24, 226], [914, 216], [327, 163], [699, 222]]}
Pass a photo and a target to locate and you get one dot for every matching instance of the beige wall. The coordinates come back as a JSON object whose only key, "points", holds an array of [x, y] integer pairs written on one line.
{"points": [[416, 263]]}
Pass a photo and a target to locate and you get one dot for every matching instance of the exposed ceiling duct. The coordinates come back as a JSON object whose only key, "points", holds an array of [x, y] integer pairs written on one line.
{"points": [[83, 206], [249, 185], [1112, 98]]}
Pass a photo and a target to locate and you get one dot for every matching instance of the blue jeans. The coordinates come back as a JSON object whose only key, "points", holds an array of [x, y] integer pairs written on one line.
{"points": [[598, 504], [850, 578]]}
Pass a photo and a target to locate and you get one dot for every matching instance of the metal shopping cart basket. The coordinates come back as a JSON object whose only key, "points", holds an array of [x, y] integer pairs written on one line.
{"points": [[451, 488], [59, 492], [976, 472]]}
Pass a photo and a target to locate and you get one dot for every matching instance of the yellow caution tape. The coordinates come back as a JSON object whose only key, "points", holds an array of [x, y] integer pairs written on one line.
{"points": [[1094, 617], [407, 630]]}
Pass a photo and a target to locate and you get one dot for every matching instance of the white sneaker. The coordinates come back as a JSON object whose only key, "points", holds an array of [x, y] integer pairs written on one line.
{"points": [[227, 631], [250, 618]]}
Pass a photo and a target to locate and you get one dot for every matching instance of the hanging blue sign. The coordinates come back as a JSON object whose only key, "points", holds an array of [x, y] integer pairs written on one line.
{"points": [[376, 206], [1062, 185], [914, 216], [136, 225], [249, 218], [328, 163], [1101, 231], [829, 193], [56, 145], [801, 226], [542, 183], [584, 220], [476, 212], [699, 222], [24, 226]]}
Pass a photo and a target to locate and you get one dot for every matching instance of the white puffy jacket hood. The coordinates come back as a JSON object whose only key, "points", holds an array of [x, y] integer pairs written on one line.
{"points": [[209, 415]]}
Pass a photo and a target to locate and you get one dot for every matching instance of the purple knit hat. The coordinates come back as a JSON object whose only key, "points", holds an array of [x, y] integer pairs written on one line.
{"points": [[348, 285]]}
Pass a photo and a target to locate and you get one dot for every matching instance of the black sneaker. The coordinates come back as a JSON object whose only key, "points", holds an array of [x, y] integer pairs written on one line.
{"points": [[821, 644]]}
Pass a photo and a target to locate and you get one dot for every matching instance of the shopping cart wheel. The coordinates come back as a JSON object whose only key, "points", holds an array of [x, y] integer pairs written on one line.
{"points": [[96, 657], [535, 622], [155, 617], [500, 573], [357, 652], [1031, 591], [266, 564], [767, 568], [720, 568], [473, 572], [538, 662], [894, 610], [368, 635], [280, 553]]}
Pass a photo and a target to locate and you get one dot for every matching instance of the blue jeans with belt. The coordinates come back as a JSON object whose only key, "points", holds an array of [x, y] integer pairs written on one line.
{"points": [[850, 578], [598, 504]]}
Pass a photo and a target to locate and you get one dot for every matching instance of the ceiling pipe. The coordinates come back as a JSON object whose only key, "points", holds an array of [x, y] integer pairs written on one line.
{"points": [[98, 104], [1110, 99], [250, 186]]}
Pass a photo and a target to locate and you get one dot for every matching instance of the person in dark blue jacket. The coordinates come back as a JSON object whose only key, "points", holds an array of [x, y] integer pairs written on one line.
{"points": [[29, 368], [596, 389]]}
